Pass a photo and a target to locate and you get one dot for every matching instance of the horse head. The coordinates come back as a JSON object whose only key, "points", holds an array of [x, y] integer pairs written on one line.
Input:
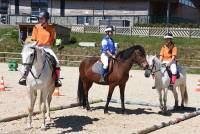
{"points": [[136, 54], [140, 57], [155, 65], [30, 54]]}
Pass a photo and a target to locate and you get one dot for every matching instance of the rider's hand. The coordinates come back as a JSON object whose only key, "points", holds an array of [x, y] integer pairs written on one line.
{"points": [[113, 56], [168, 64]]}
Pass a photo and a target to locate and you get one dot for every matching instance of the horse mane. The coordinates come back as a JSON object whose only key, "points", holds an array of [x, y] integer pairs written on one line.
{"points": [[125, 54]]}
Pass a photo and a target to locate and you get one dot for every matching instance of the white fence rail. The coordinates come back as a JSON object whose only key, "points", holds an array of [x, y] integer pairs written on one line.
{"points": [[140, 31], [76, 59]]}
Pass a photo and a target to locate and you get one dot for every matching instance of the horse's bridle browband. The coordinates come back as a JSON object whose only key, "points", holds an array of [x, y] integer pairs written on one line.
{"points": [[31, 64]]}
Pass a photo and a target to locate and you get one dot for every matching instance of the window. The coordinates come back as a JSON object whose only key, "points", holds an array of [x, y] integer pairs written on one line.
{"points": [[80, 19], [38, 6], [86, 20], [62, 8], [16, 6], [3, 6], [187, 3]]}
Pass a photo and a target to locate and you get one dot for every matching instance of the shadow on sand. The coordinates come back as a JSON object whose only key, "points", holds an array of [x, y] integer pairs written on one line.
{"points": [[72, 123], [128, 111]]}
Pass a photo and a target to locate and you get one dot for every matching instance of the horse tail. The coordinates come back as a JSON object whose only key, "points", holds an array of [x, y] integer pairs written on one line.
{"points": [[185, 96], [80, 93]]}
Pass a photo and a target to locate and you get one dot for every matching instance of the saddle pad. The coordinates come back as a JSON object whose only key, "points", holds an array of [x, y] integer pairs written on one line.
{"points": [[52, 62], [97, 68]]}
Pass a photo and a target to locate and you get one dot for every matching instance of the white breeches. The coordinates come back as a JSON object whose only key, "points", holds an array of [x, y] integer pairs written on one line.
{"points": [[49, 50], [173, 67], [104, 59]]}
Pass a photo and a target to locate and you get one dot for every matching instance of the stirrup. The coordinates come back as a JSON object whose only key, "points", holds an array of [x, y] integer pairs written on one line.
{"points": [[102, 79]]}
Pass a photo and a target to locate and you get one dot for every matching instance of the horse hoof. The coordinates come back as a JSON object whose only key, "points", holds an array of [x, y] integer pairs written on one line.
{"points": [[28, 127], [106, 112], [43, 128], [48, 119], [124, 112], [176, 107]]}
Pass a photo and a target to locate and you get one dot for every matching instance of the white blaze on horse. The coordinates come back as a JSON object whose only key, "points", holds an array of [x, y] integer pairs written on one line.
{"points": [[162, 82], [39, 78]]}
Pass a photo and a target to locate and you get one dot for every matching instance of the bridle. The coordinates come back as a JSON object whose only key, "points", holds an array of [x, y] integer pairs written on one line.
{"points": [[153, 67], [30, 65]]}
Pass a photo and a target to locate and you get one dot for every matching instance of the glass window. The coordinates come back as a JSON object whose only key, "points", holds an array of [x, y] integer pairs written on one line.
{"points": [[80, 19], [187, 3], [38, 6]]}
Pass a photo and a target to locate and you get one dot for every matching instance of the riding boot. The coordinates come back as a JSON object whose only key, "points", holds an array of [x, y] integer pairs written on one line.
{"points": [[103, 76], [173, 80], [57, 80], [22, 80]]}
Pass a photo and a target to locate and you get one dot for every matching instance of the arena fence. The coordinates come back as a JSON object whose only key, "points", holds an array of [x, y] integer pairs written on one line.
{"points": [[140, 31], [74, 60]]}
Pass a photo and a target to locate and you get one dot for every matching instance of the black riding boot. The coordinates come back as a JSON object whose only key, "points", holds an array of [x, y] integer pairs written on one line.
{"points": [[22, 81], [103, 76], [57, 80]]}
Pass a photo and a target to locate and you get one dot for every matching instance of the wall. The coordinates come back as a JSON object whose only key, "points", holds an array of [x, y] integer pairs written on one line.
{"points": [[125, 7], [188, 13]]}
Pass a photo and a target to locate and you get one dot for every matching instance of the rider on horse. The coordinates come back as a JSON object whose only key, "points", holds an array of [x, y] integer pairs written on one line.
{"points": [[168, 56], [108, 50], [44, 35]]}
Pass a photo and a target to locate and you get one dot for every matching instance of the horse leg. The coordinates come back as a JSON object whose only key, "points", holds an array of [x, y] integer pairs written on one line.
{"points": [[122, 88], [110, 92], [184, 95], [43, 108], [160, 98], [49, 98], [165, 99], [32, 98], [176, 98], [87, 85]]}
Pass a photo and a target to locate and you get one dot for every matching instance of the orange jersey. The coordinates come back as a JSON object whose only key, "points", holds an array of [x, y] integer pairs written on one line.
{"points": [[43, 36], [165, 53]]}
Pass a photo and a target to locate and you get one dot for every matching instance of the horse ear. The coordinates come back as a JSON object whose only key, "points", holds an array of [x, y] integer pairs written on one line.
{"points": [[22, 42]]}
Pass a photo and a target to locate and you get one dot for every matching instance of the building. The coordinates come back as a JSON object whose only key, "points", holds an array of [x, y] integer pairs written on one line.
{"points": [[97, 12]]}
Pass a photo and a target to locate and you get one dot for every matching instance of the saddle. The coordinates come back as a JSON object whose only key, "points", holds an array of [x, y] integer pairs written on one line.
{"points": [[98, 67], [52, 62], [170, 73]]}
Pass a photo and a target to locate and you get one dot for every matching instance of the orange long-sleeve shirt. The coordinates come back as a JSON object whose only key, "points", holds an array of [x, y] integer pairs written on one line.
{"points": [[44, 36], [165, 53]]}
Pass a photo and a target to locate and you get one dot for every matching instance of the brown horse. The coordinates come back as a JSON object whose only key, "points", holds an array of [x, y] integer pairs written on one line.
{"points": [[117, 77]]}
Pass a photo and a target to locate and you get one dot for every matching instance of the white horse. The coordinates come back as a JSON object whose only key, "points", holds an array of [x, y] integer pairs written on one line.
{"points": [[39, 78], [162, 82]]}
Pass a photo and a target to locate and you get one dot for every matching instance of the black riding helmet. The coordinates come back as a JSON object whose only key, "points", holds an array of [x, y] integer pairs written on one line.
{"points": [[44, 14]]}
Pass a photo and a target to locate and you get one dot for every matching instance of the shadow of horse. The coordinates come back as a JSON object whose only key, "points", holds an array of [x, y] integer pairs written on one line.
{"points": [[137, 111], [72, 123], [180, 110]]}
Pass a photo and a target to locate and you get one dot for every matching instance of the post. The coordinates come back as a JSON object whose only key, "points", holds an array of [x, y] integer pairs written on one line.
{"points": [[131, 31], [168, 10]]}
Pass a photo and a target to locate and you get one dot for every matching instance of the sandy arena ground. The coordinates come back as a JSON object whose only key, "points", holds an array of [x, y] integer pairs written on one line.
{"points": [[76, 120]]}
